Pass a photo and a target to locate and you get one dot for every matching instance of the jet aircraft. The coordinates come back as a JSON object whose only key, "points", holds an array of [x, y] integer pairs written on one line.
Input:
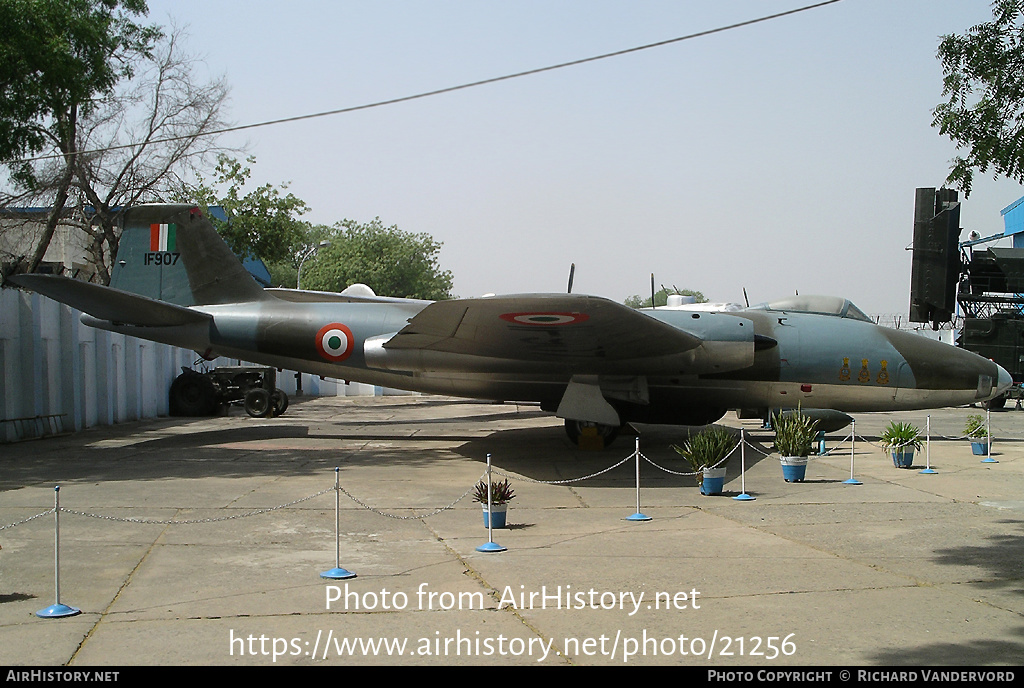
{"points": [[595, 363]]}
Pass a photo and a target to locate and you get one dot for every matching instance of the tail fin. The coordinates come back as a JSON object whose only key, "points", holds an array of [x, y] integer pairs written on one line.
{"points": [[173, 253]]}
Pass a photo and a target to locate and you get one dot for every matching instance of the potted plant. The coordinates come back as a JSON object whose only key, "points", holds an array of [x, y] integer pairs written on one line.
{"points": [[794, 435], [901, 439], [977, 433], [501, 494], [707, 452]]}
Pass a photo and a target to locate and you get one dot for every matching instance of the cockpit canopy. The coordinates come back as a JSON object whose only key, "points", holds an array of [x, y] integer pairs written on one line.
{"points": [[822, 305]]}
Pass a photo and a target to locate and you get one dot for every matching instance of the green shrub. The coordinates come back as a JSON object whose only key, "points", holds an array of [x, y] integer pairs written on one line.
{"points": [[707, 449], [794, 433], [900, 436]]}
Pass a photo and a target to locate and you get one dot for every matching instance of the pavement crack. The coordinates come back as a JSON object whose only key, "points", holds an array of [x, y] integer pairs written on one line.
{"points": [[117, 594], [492, 591]]}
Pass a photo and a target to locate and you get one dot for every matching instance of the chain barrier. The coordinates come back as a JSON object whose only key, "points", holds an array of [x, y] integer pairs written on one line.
{"points": [[690, 474], [26, 520], [833, 451], [567, 480], [175, 522], [842, 443], [338, 573], [248, 514], [406, 518]]}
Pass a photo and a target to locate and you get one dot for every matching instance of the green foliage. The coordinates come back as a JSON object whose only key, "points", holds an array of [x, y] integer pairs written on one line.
{"points": [[263, 223], [707, 449], [984, 83], [901, 435], [794, 433], [975, 428], [388, 260], [661, 297], [56, 56], [501, 492]]}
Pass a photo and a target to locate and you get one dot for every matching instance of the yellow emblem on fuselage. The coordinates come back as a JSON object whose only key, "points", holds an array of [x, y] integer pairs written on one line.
{"points": [[883, 374], [865, 374]]}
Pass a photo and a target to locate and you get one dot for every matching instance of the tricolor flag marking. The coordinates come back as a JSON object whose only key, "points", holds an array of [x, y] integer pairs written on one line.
{"points": [[162, 237]]}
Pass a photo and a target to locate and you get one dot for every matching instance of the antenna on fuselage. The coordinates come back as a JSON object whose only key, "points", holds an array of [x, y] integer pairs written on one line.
{"points": [[653, 306], [572, 272], [745, 299]]}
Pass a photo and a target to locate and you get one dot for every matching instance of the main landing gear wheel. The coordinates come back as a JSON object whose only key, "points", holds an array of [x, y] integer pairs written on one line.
{"points": [[587, 435]]}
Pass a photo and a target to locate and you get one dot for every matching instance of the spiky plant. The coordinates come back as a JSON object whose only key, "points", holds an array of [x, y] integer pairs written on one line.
{"points": [[501, 492], [900, 436], [708, 448], [794, 433]]}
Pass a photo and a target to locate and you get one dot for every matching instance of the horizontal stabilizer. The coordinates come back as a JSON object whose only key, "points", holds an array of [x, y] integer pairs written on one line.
{"points": [[306, 296], [107, 303]]}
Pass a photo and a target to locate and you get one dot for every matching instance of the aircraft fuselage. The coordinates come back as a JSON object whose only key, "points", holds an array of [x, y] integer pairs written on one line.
{"points": [[808, 359]]}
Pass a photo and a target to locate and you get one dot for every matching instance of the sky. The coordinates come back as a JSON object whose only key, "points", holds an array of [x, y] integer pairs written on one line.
{"points": [[778, 158]]}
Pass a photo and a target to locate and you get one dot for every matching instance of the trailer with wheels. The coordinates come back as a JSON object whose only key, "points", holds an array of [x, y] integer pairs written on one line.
{"points": [[195, 393]]}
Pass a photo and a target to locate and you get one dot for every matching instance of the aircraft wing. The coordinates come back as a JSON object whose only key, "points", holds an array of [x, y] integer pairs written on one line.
{"points": [[575, 330], [107, 303]]}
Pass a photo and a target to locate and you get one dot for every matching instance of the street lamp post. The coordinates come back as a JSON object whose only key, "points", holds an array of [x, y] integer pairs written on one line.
{"points": [[298, 285], [309, 254]]}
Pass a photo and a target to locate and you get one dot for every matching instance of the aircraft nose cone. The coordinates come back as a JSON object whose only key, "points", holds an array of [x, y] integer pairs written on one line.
{"points": [[1004, 381]]}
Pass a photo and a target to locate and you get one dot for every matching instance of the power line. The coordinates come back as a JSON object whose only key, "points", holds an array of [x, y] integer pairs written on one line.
{"points": [[450, 89]]}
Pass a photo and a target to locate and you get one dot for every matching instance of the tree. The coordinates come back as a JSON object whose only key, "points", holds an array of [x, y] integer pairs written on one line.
{"points": [[984, 83], [661, 297], [56, 58], [388, 260], [168, 116], [263, 223]]}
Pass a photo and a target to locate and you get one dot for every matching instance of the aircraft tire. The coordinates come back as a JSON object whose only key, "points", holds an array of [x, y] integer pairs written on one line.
{"points": [[280, 401], [193, 394], [590, 435], [258, 403]]}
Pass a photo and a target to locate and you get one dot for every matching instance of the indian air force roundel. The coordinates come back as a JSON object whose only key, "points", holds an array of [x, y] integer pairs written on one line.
{"points": [[334, 342], [545, 318]]}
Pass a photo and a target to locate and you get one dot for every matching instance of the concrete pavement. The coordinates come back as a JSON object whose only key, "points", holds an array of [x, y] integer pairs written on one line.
{"points": [[201, 541]]}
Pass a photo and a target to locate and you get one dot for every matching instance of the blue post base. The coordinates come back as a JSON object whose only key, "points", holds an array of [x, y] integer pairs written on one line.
{"points": [[337, 574], [57, 611], [638, 517], [743, 497], [490, 547]]}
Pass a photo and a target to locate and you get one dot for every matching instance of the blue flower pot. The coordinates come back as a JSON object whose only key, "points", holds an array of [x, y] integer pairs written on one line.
{"points": [[903, 458], [794, 468], [499, 512], [979, 448], [713, 481]]}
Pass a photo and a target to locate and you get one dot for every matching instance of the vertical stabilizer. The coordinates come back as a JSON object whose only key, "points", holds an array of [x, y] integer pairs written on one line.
{"points": [[174, 254]]}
